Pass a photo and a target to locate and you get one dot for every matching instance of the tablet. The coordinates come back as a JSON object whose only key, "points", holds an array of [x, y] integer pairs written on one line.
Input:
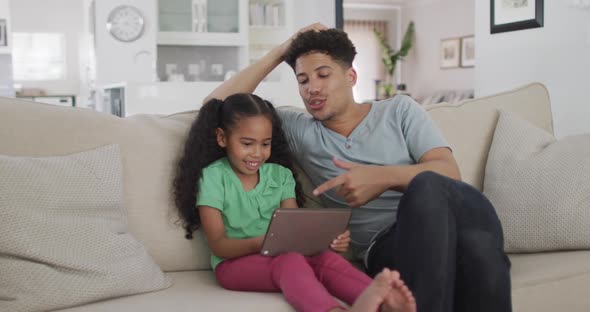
{"points": [[307, 231]]}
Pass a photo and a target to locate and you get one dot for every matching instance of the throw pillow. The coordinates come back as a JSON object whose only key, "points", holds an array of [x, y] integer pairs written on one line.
{"points": [[539, 186], [63, 233]]}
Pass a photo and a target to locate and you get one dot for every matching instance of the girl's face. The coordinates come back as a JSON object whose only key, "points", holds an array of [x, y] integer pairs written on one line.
{"points": [[247, 144]]}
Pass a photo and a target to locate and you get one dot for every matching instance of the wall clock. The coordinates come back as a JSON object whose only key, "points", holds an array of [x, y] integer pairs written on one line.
{"points": [[126, 23]]}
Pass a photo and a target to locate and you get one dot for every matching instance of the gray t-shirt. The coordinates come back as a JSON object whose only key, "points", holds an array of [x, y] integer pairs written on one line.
{"points": [[396, 131]]}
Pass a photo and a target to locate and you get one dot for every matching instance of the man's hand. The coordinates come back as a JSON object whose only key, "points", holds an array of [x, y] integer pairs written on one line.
{"points": [[361, 184], [341, 243]]}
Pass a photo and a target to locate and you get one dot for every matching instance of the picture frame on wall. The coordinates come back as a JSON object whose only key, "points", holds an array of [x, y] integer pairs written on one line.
{"points": [[467, 51], [3, 33], [450, 53], [511, 15]]}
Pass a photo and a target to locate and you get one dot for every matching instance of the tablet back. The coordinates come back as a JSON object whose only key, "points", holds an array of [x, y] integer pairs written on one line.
{"points": [[307, 231]]}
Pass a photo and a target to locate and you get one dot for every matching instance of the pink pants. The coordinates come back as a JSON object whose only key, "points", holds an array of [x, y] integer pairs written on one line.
{"points": [[308, 283]]}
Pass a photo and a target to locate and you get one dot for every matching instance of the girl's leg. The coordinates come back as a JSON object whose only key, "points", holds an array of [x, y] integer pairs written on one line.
{"points": [[339, 276], [292, 273], [249, 273], [289, 273]]}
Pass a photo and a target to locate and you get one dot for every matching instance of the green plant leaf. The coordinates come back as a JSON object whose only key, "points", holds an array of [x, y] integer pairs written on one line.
{"points": [[390, 57]]}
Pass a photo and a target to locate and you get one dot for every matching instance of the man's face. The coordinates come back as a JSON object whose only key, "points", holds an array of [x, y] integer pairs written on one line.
{"points": [[324, 85]]}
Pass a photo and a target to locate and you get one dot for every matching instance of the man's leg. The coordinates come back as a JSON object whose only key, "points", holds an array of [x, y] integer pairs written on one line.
{"points": [[422, 244], [483, 269], [447, 239]]}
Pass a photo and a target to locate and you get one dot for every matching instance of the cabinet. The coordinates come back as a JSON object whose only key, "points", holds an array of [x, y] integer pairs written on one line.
{"points": [[61, 100], [194, 55], [208, 40], [202, 22]]}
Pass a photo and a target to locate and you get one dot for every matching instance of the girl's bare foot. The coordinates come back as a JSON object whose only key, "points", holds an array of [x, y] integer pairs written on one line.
{"points": [[372, 297], [400, 298]]}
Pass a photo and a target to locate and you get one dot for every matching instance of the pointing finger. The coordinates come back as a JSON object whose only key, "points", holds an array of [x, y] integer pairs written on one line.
{"points": [[328, 185]]}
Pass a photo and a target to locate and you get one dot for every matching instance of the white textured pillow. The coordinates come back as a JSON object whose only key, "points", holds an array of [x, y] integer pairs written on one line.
{"points": [[63, 233], [539, 186]]}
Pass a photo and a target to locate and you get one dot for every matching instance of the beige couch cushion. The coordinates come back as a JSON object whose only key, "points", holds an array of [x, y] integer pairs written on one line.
{"points": [[540, 187], [193, 291], [149, 146], [469, 126], [548, 282], [63, 233], [544, 282]]}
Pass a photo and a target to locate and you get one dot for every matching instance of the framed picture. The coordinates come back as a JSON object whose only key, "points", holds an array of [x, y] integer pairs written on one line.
{"points": [[450, 53], [3, 34], [510, 15], [468, 51]]}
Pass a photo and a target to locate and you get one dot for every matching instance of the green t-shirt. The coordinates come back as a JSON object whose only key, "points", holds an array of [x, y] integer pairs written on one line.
{"points": [[245, 214]]}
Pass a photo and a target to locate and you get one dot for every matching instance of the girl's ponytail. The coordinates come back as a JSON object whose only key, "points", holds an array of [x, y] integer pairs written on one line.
{"points": [[200, 149], [281, 153]]}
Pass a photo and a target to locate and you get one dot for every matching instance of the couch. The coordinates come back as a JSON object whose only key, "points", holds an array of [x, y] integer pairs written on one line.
{"points": [[150, 144]]}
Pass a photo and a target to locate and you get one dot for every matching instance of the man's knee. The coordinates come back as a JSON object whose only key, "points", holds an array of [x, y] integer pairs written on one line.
{"points": [[428, 181], [426, 195]]}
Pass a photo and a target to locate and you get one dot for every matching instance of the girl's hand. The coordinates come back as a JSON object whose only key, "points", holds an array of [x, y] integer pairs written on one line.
{"points": [[258, 240], [341, 243]]}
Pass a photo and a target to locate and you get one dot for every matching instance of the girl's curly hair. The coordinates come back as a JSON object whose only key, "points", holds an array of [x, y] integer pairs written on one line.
{"points": [[201, 149]]}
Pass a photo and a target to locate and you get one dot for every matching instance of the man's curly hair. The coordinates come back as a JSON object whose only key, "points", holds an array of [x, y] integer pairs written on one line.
{"points": [[333, 42]]}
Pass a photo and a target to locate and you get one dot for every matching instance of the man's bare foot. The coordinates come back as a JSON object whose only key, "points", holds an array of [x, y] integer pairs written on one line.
{"points": [[372, 297], [400, 298]]}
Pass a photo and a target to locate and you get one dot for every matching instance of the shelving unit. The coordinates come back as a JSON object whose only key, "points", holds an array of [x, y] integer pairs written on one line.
{"points": [[192, 62], [206, 29]]}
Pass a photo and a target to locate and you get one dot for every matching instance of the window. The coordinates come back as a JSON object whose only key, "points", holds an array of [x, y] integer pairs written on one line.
{"points": [[38, 56], [367, 62]]}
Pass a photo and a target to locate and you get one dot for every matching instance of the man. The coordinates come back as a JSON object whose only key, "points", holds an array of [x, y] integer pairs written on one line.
{"points": [[389, 161]]}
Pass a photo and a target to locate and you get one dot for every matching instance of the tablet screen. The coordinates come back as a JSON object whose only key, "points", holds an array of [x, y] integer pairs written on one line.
{"points": [[308, 231]]}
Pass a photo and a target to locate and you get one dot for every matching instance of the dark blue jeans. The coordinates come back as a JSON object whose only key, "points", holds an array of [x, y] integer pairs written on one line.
{"points": [[447, 245]]}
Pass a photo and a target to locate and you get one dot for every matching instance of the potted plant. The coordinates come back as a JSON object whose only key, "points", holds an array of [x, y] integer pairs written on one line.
{"points": [[390, 57]]}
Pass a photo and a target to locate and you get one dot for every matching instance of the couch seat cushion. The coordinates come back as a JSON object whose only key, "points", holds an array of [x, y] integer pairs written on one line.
{"points": [[192, 291], [547, 282]]}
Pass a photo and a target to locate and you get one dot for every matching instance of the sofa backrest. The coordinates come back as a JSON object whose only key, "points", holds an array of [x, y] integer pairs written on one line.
{"points": [[150, 146], [469, 125]]}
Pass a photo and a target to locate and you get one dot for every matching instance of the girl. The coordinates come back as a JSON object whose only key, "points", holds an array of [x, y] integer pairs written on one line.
{"points": [[237, 160]]}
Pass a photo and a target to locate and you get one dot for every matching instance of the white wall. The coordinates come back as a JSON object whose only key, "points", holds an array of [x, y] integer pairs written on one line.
{"points": [[310, 11], [6, 83], [119, 61], [59, 16], [436, 20], [558, 55], [5, 14]]}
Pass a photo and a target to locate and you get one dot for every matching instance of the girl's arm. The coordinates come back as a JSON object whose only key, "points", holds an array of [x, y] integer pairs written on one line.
{"points": [[289, 203], [220, 245]]}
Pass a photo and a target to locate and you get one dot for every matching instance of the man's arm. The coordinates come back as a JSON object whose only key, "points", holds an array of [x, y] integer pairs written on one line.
{"points": [[363, 183], [246, 80], [439, 160]]}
